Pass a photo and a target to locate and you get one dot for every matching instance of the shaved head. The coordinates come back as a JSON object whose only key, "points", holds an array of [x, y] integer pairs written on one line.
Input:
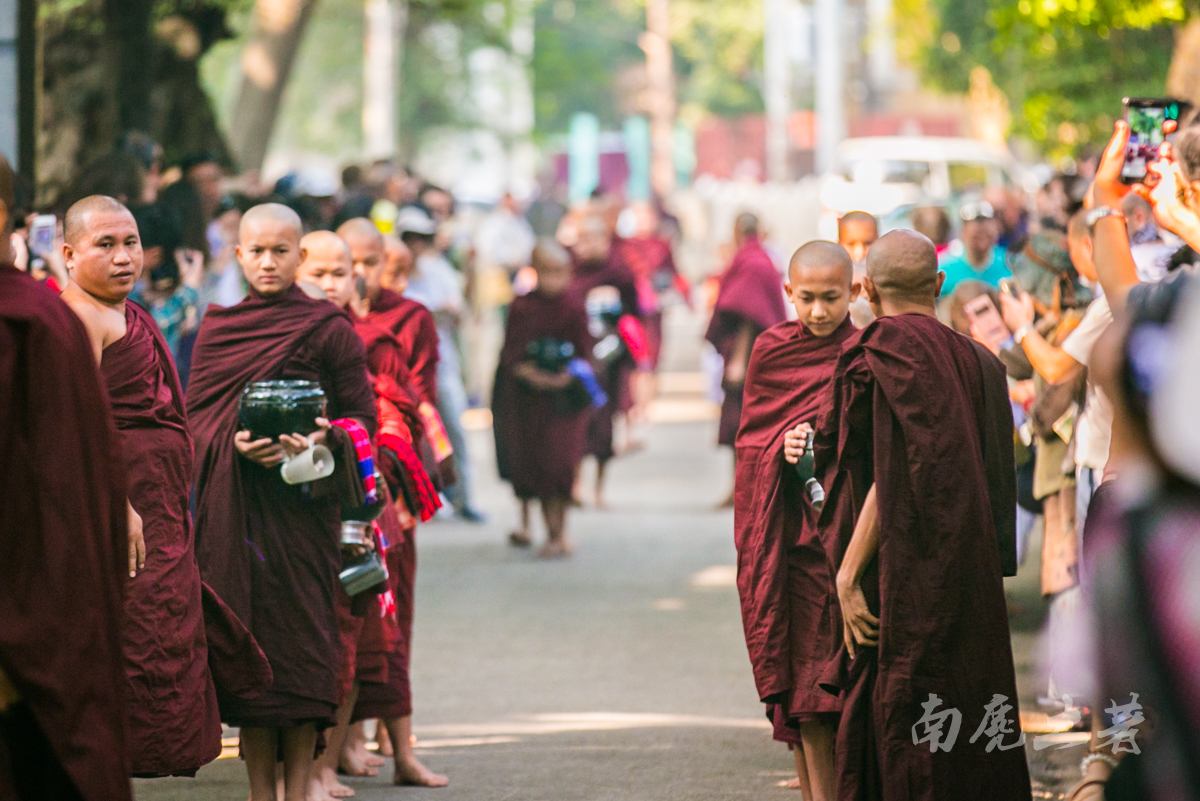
{"points": [[273, 213], [324, 246], [399, 263], [903, 268], [820, 255], [75, 224], [360, 227]]}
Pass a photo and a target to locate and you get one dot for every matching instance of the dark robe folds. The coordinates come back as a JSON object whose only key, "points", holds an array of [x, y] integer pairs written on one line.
{"points": [[923, 414], [174, 725], [538, 447], [614, 378], [750, 294], [784, 582], [271, 550], [63, 556], [412, 324]]}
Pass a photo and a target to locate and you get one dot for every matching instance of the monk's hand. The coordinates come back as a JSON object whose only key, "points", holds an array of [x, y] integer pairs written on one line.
{"points": [[795, 442], [264, 451], [859, 626], [137, 542]]}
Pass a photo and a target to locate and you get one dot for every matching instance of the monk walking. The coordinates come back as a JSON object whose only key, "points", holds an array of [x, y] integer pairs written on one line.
{"points": [[919, 525], [174, 726], [270, 549], [386, 694], [539, 439], [784, 581], [749, 301], [63, 552]]}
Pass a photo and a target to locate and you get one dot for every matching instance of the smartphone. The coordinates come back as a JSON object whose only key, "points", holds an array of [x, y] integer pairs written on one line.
{"points": [[987, 324], [42, 233], [1152, 121], [1010, 287]]}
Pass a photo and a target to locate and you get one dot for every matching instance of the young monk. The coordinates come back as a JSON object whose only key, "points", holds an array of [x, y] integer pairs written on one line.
{"points": [[748, 303], [857, 231], [329, 263], [919, 525], [539, 447], [270, 549], [783, 576], [174, 726], [63, 515]]}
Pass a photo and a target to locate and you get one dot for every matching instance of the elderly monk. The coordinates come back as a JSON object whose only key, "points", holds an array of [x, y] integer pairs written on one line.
{"points": [[271, 549], [919, 526], [539, 444], [63, 552], [407, 319], [784, 580], [749, 301], [329, 264], [174, 726], [596, 272]]}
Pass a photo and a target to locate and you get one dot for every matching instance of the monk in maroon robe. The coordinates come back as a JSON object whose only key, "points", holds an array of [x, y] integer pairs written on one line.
{"points": [[270, 549], [539, 443], [63, 553], [919, 525], [595, 267], [174, 725], [382, 686], [784, 581], [647, 254]]}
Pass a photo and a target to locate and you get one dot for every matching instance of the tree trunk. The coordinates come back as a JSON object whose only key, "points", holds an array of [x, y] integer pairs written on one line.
{"points": [[266, 63], [130, 61], [656, 43], [1183, 77]]}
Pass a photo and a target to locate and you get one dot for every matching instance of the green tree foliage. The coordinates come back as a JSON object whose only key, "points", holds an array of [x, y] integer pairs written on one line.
{"points": [[1064, 64]]}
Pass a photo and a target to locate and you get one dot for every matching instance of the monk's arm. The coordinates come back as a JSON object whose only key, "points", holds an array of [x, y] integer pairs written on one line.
{"points": [[859, 626], [735, 371]]}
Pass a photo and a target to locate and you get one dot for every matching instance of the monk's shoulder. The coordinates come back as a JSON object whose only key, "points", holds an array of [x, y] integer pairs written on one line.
{"points": [[26, 299]]}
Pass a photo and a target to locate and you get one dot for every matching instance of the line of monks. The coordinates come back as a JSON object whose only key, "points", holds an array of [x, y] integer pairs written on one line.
{"points": [[136, 615], [868, 608]]}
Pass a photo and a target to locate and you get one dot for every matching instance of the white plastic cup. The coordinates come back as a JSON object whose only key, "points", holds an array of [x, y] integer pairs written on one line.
{"points": [[309, 465]]}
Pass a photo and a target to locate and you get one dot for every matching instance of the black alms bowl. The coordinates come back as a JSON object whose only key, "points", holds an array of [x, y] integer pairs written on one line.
{"points": [[271, 408]]}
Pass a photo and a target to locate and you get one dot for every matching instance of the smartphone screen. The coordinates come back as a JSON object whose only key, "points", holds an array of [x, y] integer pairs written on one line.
{"points": [[1152, 121], [42, 233], [986, 323]]}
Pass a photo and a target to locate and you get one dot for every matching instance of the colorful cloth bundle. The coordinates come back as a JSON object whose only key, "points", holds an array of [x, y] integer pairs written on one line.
{"points": [[419, 493], [634, 336], [362, 449]]}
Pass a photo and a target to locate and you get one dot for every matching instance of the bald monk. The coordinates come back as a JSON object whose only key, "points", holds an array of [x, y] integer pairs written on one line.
{"points": [[539, 445], [328, 264], [407, 319], [919, 527], [749, 302], [63, 553], [783, 576], [174, 726], [270, 549], [399, 262]]}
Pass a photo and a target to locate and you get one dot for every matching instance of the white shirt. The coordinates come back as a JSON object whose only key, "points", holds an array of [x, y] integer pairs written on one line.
{"points": [[1093, 431]]}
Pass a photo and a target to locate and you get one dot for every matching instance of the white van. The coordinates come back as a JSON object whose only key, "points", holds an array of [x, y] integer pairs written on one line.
{"points": [[889, 175]]}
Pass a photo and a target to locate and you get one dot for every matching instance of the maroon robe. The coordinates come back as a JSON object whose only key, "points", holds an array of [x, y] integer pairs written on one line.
{"points": [[269, 549], [174, 726], [63, 557], [650, 260], [784, 581], [923, 414], [538, 449], [750, 293], [412, 324], [615, 378], [387, 692]]}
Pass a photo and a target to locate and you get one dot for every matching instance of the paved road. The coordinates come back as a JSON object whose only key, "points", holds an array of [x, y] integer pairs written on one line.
{"points": [[618, 674]]}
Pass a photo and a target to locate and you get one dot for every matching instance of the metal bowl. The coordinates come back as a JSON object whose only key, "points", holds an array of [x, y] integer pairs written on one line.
{"points": [[271, 408]]}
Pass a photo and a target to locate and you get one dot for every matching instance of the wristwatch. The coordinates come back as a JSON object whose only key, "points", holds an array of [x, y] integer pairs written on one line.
{"points": [[1100, 212], [1021, 333]]}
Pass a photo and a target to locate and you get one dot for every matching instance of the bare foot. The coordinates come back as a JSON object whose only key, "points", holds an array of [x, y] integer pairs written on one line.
{"points": [[316, 790], [355, 762], [727, 503], [383, 739], [556, 549], [791, 784], [519, 539], [333, 788], [411, 773]]}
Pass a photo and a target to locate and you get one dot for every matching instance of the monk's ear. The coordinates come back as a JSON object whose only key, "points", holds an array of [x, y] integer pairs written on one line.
{"points": [[941, 279], [787, 290], [868, 288], [856, 289]]}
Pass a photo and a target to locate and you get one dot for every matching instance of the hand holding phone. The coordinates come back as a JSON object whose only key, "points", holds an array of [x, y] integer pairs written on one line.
{"points": [[42, 234]]}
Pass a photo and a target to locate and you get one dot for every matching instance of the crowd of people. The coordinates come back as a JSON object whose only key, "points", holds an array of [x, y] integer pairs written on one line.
{"points": [[903, 408], [891, 462]]}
